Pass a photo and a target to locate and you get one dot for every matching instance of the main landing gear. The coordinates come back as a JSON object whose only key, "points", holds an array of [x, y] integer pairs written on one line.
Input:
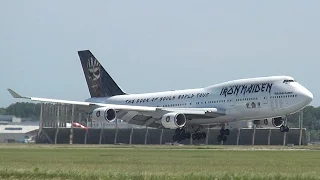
{"points": [[284, 127], [199, 135], [181, 134], [223, 134]]}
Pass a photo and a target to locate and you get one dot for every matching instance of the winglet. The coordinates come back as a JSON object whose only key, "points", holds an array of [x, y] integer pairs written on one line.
{"points": [[14, 94]]}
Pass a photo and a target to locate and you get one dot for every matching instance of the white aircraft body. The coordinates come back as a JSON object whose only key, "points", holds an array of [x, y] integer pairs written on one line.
{"points": [[268, 100]]}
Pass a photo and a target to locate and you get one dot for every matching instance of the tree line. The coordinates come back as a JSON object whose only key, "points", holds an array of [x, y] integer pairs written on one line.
{"points": [[23, 110]]}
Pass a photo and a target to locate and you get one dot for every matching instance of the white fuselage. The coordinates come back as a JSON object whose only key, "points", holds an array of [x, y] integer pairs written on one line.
{"points": [[244, 99]]}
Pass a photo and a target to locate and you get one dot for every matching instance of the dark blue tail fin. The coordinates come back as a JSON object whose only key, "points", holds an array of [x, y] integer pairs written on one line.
{"points": [[100, 83]]}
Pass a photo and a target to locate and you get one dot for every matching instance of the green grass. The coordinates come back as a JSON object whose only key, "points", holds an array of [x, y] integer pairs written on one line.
{"points": [[157, 162]]}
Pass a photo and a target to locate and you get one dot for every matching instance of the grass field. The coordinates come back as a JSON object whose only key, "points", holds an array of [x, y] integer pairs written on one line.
{"points": [[157, 162]]}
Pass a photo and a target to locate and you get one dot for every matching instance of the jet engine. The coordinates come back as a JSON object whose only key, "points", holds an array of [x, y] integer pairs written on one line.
{"points": [[104, 114], [270, 122], [173, 120]]}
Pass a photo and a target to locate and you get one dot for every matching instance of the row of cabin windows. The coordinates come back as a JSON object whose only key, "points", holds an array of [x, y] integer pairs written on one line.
{"points": [[174, 105], [210, 102], [247, 99], [229, 100], [284, 96]]}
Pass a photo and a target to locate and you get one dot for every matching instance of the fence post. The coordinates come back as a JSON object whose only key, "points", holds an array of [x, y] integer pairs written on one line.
{"points": [[71, 129], [161, 136], [57, 124], [146, 136]]}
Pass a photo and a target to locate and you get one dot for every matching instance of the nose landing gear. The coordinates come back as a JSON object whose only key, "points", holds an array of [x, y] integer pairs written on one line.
{"points": [[284, 127]]}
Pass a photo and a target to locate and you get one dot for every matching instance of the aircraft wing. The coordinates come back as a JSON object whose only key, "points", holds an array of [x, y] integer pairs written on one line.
{"points": [[87, 106], [138, 115]]}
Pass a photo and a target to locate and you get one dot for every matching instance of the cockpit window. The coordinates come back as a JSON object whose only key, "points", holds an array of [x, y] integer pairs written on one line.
{"points": [[288, 80]]}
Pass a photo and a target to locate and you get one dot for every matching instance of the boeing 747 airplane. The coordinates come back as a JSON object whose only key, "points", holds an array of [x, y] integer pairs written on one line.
{"points": [[266, 100]]}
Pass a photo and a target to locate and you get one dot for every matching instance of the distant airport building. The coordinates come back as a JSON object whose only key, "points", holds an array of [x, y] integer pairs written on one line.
{"points": [[18, 133], [15, 129]]}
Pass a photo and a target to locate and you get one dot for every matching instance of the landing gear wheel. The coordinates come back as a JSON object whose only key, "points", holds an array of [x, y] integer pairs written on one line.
{"points": [[282, 128], [194, 136], [227, 132], [188, 135], [198, 136], [222, 131], [223, 134], [224, 138], [177, 130], [203, 135], [182, 136], [179, 135], [174, 138], [286, 129]]}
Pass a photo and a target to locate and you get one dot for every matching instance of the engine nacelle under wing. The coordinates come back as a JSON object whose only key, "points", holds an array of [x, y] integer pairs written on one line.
{"points": [[270, 122], [173, 120], [104, 114]]}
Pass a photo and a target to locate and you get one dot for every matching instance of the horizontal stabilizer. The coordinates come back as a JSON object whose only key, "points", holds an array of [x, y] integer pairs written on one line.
{"points": [[14, 94]]}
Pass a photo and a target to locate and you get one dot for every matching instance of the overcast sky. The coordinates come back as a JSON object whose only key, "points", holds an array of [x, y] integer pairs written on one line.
{"points": [[151, 46]]}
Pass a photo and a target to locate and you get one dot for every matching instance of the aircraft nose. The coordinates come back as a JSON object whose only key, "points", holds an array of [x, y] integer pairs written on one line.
{"points": [[307, 95]]}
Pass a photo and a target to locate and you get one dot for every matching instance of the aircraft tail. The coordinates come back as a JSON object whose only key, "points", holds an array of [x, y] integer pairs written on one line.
{"points": [[99, 82]]}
